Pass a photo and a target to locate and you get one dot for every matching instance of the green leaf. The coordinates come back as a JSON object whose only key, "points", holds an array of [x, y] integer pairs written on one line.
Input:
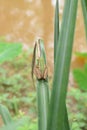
{"points": [[5, 114], [56, 38], [43, 101], [80, 77], [9, 51], [84, 8], [56, 28], [81, 54], [61, 72]]}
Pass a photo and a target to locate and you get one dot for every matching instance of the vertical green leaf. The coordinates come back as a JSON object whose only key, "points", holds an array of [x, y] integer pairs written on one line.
{"points": [[56, 29], [56, 37], [84, 8], [43, 102], [5, 115], [61, 74]]}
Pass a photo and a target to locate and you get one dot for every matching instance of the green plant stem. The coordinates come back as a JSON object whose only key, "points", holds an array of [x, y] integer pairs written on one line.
{"points": [[43, 102], [56, 37], [61, 73], [66, 121], [41, 72], [56, 29], [84, 8]]}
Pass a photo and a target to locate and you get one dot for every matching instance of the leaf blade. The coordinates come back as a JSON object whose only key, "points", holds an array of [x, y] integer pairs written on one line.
{"points": [[84, 8], [56, 38], [56, 29], [58, 97], [5, 115]]}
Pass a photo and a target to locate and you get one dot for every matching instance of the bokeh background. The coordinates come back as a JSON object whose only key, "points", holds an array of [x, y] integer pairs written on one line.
{"points": [[25, 21]]}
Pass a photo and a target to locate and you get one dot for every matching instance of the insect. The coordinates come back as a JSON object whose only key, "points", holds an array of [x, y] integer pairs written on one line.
{"points": [[39, 68], [39, 74]]}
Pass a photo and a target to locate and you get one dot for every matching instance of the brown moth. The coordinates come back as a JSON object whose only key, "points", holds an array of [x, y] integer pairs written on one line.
{"points": [[35, 68], [41, 75]]}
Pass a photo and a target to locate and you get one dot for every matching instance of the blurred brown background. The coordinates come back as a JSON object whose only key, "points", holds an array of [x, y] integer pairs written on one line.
{"points": [[26, 20]]}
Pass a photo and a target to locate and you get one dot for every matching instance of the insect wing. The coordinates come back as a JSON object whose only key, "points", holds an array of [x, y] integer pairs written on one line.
{"points": [[37, 73], [45, 74]]}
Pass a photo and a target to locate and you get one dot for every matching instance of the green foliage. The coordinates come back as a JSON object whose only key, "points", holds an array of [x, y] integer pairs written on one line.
{"points": [[81, 54], [16, 124], [79, 96], [5, 115], [9, 51], [80, 76], [30, 126], [9, 122], [16, 85], [77, 107], [17, 91], [27, 99]]}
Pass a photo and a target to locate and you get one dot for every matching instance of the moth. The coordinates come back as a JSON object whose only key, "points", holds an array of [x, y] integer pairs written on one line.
{"points": [[36, 70], [39, 74]]}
